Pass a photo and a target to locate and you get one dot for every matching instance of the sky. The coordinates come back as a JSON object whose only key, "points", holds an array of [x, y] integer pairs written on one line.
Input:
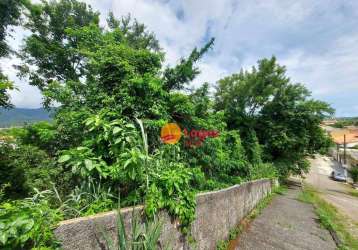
{"points": [[316, 40]]}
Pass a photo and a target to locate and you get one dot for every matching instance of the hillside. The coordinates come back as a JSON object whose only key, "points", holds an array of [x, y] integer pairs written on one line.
{"points": [[19, 116]]}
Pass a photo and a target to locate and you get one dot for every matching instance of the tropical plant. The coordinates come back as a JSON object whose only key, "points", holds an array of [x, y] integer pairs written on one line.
{"points": [[143, 236], [28, 223], [171, 190], [88, 198]]}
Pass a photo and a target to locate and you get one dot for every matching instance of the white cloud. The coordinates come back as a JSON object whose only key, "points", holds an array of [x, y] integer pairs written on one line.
{"points": [[330, 73], [25, 96], [317, 40], [212, 74]]}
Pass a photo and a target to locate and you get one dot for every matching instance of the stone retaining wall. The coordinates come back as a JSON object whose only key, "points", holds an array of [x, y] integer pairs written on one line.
{"points": [[216, 213]]}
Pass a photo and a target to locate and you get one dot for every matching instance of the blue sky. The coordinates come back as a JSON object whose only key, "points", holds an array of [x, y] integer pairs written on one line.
{"points": [[316, 40]]}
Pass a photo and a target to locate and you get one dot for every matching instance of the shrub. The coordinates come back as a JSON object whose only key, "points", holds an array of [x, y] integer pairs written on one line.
{"points": [[263, 170], [25, 167], [171, 190], [27, 224], [354, 173], [41, 134], [222, 158]]}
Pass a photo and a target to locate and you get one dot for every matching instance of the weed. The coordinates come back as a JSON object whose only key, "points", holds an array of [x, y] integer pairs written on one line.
{"points": [[329, 217], [354, 193], [142, 236]]}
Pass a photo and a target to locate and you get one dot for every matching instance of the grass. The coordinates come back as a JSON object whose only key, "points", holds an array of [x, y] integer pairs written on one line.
{"points": [[329, 217], [354, 193], [237, 231]]}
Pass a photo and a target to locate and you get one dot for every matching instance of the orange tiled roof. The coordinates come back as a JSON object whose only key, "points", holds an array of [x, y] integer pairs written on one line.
{"points": [[351, 135]]}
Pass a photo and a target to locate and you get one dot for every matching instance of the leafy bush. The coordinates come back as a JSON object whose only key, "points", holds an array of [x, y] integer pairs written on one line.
{"points": [[41, 134], [263, 170], [114, 152], [25, 167], [111, 150], [222, 159], [28, 223], [171, 190], [354, 173], [89, 198]]}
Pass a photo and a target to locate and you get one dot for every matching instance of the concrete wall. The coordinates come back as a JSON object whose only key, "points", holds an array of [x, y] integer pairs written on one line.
{"points": [[216, 213]]}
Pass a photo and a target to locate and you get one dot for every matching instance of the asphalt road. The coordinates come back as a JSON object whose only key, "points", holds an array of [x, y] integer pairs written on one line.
{"points": [[336, 193]]}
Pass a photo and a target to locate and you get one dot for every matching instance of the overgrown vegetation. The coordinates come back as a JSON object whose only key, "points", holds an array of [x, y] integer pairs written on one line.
{"points": [[329, 217], [354, 173], [141, 237], [114, 95]]}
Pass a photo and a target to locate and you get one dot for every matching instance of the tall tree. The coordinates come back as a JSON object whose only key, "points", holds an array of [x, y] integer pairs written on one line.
{"points": [[264, 103], [73, 61], [86, 68], [134, 32], [10, 13], [49, 54]]}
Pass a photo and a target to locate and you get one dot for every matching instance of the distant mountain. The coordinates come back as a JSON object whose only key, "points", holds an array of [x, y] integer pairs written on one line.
{"points": [[20, 116]]}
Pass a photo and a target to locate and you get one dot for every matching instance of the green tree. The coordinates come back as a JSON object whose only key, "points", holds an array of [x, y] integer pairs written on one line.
{"points": [[263, 103], [5, 86], [175, 78], [133, 32], [86, 68], [10, 13], [49, 48]]}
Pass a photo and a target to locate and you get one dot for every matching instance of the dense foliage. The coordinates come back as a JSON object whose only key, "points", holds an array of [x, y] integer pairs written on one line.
{"points": [[10, 16], [278, 115], [5, 86], [114, 95], [354, 173]]}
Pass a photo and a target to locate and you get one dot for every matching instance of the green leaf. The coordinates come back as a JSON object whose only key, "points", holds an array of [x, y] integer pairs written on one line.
{"points": [[117, 140], [82, 148], [116, 130], [3, 237], [133, 175], [89, 164], [64, 158], [28, 225]]}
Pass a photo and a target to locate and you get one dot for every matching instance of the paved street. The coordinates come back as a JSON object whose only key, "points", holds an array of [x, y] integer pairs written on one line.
{"points": [[286, 224], [334, 192]]}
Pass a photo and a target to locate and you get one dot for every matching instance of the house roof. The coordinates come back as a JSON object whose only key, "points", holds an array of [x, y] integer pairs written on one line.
{"points": [[351, 135]]}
